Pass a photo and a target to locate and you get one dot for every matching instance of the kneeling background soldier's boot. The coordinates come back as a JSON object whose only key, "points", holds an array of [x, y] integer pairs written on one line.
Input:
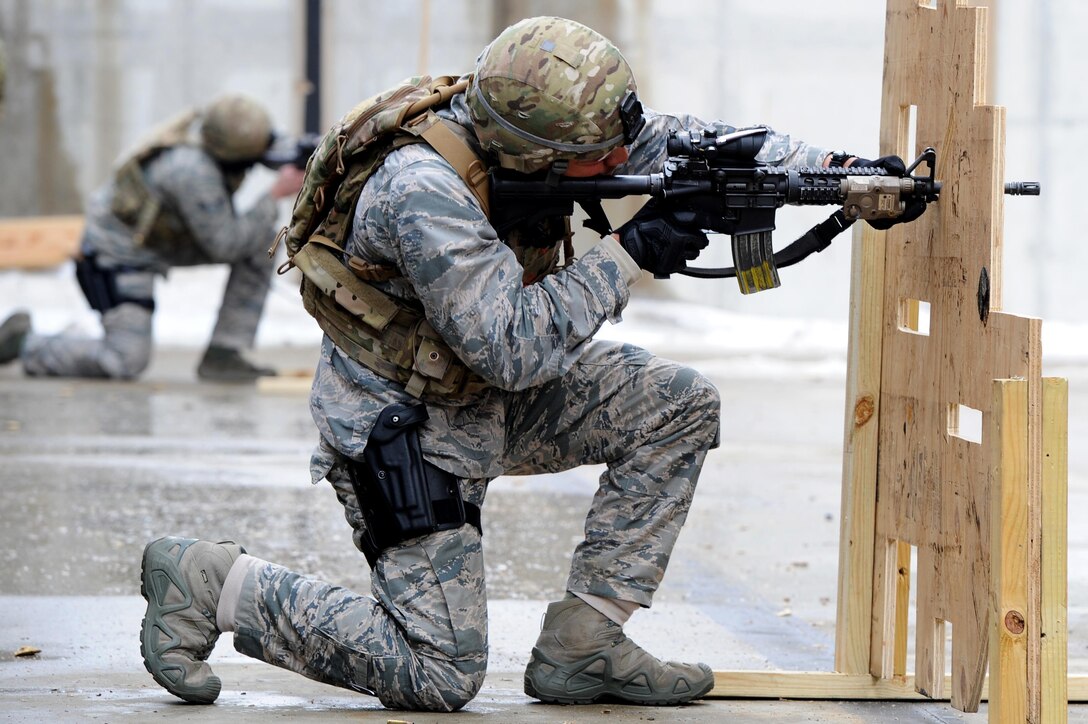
{"points": [[582, 656], [182, 579], [13, 333], [228, 365]]}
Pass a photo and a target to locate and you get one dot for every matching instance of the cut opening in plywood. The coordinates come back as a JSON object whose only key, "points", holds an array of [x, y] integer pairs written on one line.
{"points": [[914, 316], [965, 423], [911, 148], [905, 607]]}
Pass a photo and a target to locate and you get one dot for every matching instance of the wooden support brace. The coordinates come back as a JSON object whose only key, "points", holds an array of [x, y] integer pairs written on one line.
{"points": [[858, 514], [830, 686], [1009, 556], [1057, 689]]}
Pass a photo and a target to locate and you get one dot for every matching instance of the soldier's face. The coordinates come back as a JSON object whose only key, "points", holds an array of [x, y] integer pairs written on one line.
{"points": [[581, 168]]}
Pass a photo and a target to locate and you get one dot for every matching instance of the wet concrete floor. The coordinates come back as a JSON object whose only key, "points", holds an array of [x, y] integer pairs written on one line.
{"points": [[91, 470]]}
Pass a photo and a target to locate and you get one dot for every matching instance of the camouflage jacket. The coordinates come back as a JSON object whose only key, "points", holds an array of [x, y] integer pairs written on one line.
{"points": [[417, 214], [194, 191]]}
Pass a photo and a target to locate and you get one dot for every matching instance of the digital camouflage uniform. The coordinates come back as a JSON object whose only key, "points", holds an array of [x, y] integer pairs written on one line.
{"points": [[558, 400], [204, 229]]}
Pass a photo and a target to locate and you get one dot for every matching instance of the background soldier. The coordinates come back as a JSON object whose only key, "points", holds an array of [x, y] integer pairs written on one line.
{"points": [[170, 203], [513, 383]]}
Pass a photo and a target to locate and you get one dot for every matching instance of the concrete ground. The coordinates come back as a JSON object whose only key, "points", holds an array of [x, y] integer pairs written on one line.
{"points": [[92, 470]]}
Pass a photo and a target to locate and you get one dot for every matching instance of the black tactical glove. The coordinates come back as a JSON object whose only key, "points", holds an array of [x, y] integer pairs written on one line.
{"points": [[895, 167], [892, 164], [660, 241]]}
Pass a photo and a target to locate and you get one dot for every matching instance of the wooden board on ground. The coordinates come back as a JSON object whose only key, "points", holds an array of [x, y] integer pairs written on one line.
{"points": [[287, 383], [827, 685], [38, 242]]}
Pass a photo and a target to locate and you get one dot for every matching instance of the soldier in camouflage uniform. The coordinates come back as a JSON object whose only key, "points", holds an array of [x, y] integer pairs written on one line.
{"points": [[545, 94], [170, 204]]}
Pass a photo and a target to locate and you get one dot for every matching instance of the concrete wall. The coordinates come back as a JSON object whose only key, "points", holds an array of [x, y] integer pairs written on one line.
{"points": [[88, 77]]}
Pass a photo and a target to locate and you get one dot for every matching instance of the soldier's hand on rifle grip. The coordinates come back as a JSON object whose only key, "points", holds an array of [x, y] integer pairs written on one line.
{"points": [[895, 167], [662, 242]]}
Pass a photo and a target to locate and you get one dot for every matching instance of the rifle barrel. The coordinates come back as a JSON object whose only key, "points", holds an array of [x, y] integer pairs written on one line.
{"points": [[611, 187]]}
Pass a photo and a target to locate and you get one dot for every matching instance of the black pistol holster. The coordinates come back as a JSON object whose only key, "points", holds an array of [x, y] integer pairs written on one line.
{"points": [[400, 494], [99, 285]]}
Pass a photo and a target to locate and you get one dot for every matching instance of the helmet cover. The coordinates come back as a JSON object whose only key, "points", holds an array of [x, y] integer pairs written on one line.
{"points": [[547, 89], [236, 129]]}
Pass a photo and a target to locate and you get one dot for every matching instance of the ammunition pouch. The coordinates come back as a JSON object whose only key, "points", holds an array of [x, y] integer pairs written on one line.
{"points": [[382, 333], [99, 286], [400, 494], [151, 223]]}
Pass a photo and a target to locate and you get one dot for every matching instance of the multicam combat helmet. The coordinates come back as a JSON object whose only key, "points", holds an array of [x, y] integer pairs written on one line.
{"points": [[236, 129], [549, 89]]}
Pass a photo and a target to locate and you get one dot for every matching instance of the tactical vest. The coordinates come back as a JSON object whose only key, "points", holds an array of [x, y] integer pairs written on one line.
{"points": [[136, 205], [388, 335]]}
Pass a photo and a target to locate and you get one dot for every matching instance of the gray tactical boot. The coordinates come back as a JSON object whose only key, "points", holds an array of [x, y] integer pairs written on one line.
{"points": [[181, 579], [13, 333], [223, 364], [582, 656]]}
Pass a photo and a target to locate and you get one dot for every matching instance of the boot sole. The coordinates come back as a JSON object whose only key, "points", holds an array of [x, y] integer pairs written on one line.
{"points": [[156, 560], [613, 690]]}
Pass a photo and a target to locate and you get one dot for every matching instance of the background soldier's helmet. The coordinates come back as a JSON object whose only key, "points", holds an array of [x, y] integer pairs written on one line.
{"points": [[236, 129], [548, 89]]}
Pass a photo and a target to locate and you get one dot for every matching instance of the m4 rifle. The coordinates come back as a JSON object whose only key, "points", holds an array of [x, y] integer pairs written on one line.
{"points": [[713, 175]]}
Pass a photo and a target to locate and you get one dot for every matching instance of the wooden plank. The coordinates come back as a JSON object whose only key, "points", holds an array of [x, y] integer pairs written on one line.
{"points": [[1009, 556], [823, 685], [1054, 639], [811, 685], [286, 384], [38, 242], [857, 520]]}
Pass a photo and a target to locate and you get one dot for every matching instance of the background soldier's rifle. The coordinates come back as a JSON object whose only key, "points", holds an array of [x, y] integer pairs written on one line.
{"points": [[291, 151]]}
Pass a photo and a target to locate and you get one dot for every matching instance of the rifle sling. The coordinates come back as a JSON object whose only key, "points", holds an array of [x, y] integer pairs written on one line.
{"points": [[814, 240]]}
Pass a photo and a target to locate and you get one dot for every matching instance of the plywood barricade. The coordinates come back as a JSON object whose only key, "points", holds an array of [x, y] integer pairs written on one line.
{"points": [[955, 447]]}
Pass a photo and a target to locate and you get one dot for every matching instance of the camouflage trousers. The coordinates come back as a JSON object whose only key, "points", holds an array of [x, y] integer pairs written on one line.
{"points": [[125, 349], [421, 641]]}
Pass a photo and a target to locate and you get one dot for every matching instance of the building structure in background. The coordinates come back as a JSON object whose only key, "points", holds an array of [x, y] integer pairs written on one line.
{"points": [[87, 77]]}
